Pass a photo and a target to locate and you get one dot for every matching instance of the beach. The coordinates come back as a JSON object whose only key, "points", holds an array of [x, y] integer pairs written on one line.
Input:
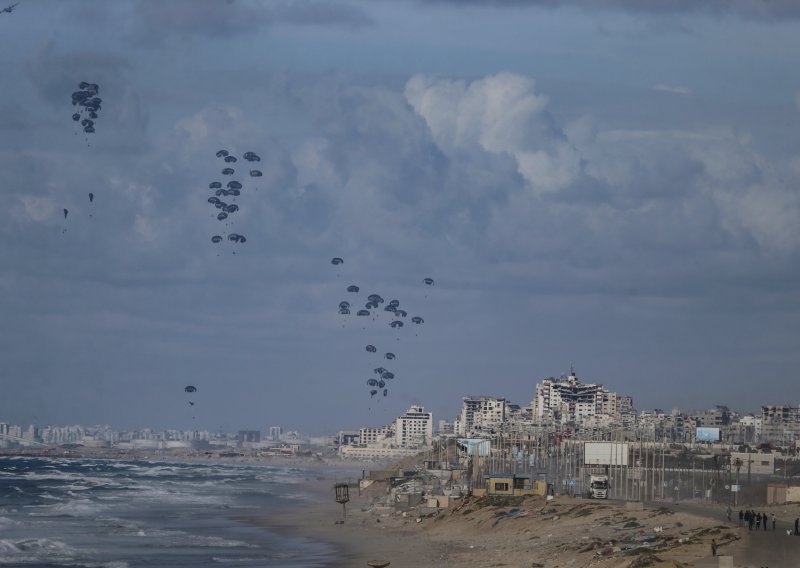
{"points": [[534, 532]]}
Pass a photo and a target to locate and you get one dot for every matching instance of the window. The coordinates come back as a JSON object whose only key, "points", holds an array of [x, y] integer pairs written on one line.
{"points": [[501, 486]]}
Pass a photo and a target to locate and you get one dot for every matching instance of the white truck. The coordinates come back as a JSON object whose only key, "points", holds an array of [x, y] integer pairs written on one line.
{"points": [[598, 486]]}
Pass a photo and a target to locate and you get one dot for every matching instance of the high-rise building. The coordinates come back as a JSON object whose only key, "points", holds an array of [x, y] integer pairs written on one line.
{"points": [[413, 429], [275, 433], [480, 414]]}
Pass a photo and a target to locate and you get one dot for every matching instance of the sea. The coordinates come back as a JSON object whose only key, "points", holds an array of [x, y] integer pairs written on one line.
{"points": [[97, 513]]}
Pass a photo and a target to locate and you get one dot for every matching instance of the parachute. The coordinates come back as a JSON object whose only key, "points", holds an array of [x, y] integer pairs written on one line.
{"points": [[222, 153], [372, 382], [389, 356], [222, 216], [336, 261], [362, 313], [396, 323], [387, 375], [401, 313], [86, 98], [236, 238], [394, 303], [353, 289], [379, 370], [230, 159], [216, 239], [227, 171], [417, 320], [66, 212], [428, 281], [344, 311], [215, 185], [252, 157], [344, 305], [190, 388], [381, 383], [385, 392], [91, 197], [255, 173], [373, 392], [371, 349]]}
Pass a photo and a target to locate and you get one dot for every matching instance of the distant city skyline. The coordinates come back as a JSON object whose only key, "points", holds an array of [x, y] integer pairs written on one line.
{"points": [[592, 183]]}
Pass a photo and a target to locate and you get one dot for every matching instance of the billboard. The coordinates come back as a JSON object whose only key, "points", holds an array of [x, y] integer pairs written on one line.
{"points": [[605, 453], [707, 435]]}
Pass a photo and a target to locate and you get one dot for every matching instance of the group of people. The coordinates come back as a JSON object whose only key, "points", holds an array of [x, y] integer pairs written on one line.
{"points": [[752, 518]]}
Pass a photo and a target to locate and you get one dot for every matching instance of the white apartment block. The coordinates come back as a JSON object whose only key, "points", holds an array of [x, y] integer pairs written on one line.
{"points": [[413, 429], [480, 414], [568, 400], [373, 436]]}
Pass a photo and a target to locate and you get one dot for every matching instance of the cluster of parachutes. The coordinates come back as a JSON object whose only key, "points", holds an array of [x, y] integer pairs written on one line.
{"points": [[232, 189], [89, 104], [86, 98], [373, 307]]}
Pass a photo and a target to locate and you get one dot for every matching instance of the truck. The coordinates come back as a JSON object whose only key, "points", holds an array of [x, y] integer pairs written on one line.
{"points": [[598, 486]]}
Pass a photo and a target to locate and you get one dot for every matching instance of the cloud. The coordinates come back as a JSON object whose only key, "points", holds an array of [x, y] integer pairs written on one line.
{"points": [[773, 10], [159, 21], [502, 113], [671, 89]]}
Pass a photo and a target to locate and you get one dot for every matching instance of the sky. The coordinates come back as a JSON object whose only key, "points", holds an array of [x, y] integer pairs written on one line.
{"points": [[608, 185]]}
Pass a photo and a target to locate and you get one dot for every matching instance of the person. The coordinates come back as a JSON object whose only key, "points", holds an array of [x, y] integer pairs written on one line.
{"points": [[758, 521], [728, 512], [773, 521], [741, 517], [797, 526], [713, 547], [764, 521]]}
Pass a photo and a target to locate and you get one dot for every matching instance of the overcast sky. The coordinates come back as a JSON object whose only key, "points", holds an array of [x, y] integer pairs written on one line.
{"points": [[589, 183]]}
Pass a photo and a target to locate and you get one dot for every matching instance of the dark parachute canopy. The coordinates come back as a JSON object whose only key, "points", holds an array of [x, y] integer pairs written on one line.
{"points": [[336, 261], [234, 185], [190, 388], [230, 159], [387, 375], [353, 289], [255, 173], [91, 197], [344, 311], [215, 185], [344, 304], [237, 238], [389, 356], [227, 171], [372, 382], [66, 212], [401, 313], [371, 349], [222, 153], [417, 320], [86, 98], [396, 323], [362, 313], [252, 157], [428, 281], [216, 239]]}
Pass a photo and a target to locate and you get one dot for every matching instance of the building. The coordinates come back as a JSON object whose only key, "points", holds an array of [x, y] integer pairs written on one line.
{"points": [[780, 424], [414, 428], [275, 433], [480, 414], [567, 400]]}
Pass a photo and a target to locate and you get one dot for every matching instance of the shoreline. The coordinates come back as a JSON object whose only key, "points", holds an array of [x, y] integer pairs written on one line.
{"points": [[356, 538]]}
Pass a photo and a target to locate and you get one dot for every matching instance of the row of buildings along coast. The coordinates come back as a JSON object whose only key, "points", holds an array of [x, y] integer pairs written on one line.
{"points": [[572, 409]]}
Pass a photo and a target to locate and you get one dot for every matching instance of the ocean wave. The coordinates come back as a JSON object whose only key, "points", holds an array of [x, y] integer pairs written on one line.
{"points": [[33, 551], [76, 508]]}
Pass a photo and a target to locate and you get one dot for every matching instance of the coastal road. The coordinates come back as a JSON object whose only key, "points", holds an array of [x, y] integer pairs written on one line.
{"points": [[773, 549]]}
